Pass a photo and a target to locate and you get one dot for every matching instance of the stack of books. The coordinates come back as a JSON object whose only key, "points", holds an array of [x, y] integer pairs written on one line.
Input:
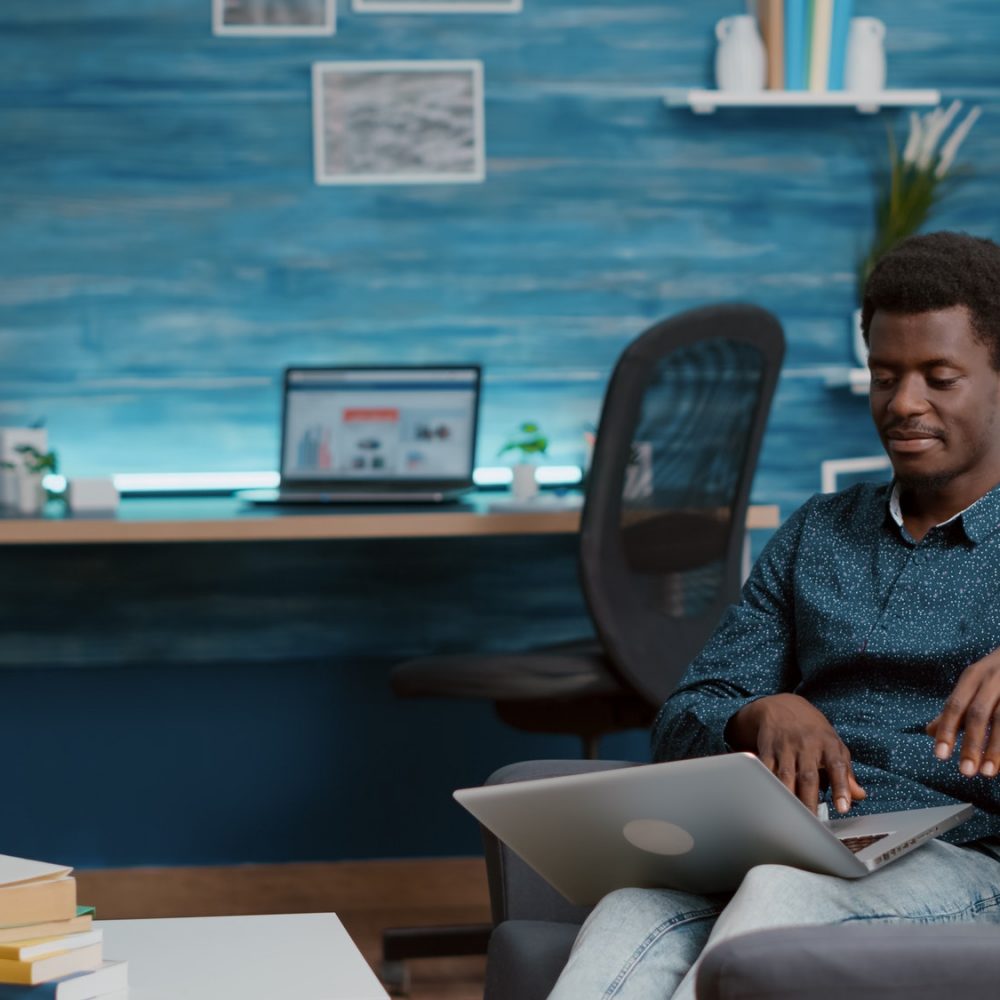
{"points": [[48, 946], [806, 42]]}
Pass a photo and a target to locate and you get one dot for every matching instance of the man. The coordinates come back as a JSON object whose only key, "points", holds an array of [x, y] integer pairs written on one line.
{"points": [[865, 650]]}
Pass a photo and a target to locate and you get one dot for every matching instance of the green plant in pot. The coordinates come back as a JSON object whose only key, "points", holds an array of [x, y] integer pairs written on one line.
{"points": [[26, 492], [530, 444]]}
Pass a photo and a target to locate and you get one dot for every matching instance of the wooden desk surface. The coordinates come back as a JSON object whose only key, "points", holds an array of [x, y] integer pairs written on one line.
{"points": [[228, 519]]}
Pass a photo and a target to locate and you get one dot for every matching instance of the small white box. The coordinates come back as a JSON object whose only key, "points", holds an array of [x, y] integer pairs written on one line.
{"points": [[92, 496]]}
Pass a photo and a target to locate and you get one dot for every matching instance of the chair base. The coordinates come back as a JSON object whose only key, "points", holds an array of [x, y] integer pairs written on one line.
{"points": [[402, 943]]}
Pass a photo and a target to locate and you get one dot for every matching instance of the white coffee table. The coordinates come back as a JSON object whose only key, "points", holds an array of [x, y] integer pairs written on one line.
{"points": [[295, 956]]}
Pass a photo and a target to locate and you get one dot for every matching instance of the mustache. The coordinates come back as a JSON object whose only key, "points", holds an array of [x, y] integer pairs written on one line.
{"points": [[911, 427]]}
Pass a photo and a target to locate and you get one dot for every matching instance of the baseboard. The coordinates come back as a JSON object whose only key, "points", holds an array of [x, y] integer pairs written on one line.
{"points": [[337, 886]]}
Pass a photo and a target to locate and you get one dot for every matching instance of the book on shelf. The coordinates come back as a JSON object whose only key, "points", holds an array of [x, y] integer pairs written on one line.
{"points": [[771, 17], [820, 28], [61, 963], [50, 928], [842, 12], [37, 946], [38, 902], [795, 24], [109, 982]]}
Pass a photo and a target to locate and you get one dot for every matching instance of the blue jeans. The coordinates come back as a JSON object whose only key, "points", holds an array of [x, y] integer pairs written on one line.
{"points": [[643, 944]]}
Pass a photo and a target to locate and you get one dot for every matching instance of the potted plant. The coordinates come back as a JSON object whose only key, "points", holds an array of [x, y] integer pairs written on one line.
{"points": [[914, 183], [21, 485], [530, 444]]}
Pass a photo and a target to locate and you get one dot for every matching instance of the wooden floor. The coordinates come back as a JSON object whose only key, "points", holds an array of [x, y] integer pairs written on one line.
{"points": [[368, 896]]}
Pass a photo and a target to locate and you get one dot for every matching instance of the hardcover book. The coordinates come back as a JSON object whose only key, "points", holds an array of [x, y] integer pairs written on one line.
{"points": [[109, 978], [38, 902], [41, 970]]}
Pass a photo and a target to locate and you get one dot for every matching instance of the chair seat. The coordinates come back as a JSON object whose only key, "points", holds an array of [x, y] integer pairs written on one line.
{"points": [[567, 671]]}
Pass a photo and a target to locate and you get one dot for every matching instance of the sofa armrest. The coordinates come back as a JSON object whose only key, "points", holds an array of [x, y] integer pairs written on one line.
{"points": [[516, 891], [860, 960], [526, 957]]}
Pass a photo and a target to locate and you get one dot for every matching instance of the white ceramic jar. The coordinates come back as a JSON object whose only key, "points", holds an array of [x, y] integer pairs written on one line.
{"points": [[740, 57], [864, 66]]}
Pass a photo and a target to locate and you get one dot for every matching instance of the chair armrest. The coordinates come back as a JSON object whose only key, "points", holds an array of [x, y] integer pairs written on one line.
{"points": [[516, 891], [526, 957], [860, 960]]}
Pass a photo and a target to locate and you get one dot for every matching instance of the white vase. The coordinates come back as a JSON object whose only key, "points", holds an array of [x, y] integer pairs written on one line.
{"points": [[859, 347], [864, 65], [21, 492], [524, 485], [740, 57]]}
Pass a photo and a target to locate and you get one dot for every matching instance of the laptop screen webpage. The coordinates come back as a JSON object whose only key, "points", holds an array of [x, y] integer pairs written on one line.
{"points": [[379, 424]]}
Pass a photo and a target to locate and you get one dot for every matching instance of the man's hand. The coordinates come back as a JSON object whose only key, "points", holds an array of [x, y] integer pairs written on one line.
{"points": [[795, 741], [974, 706]]}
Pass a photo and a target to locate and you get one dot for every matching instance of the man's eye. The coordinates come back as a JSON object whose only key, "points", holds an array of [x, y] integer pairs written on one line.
{"points": [[942, 383], [881, 381]]}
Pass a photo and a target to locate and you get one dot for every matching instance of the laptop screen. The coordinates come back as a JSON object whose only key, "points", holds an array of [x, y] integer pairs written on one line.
{"points": [[398, 425]]}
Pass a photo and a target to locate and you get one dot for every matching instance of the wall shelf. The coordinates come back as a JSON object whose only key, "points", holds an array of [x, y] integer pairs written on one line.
{"points": [[855, 379], [705, 102]]}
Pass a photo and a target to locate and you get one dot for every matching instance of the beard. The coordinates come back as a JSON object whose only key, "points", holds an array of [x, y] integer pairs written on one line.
{"points": [[925, 484]]}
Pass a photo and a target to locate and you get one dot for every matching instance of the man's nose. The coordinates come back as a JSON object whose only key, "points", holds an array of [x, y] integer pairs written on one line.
{"points": [[909, 397]]}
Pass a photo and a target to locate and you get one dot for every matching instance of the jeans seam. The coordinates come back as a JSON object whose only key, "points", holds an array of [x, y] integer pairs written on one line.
{"points": [[651, 938], [979, 906]]}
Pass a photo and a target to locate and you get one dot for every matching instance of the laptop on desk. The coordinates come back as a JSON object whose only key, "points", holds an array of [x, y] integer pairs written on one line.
{"points": [[403, 434], [698, 825]]}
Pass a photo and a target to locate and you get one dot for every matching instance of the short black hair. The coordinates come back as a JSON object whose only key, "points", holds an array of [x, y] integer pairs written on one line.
{"points": [[938, 271]]}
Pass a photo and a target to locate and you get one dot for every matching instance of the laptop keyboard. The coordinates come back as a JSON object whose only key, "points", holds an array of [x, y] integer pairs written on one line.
{"points": [[856, 844]]}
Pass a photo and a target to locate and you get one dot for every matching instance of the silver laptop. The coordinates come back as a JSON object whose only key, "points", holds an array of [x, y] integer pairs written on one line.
{"points": [[401, 434], [697, 825]]}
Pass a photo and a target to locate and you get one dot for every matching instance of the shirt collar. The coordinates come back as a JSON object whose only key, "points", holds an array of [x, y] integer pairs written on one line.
{"points": [[977, 520]]}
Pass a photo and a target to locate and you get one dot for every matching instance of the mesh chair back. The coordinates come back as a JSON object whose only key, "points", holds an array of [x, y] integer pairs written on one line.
{"points": [[663, 522]]}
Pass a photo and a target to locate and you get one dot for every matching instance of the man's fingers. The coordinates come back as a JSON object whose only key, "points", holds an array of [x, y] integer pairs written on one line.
{"points": [[948, 723], [840, 784], [978, 717], [807, 785], [857, 792], [991, 757]]}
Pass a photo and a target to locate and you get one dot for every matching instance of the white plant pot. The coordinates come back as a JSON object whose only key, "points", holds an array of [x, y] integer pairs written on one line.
{"points": [[524, 485], [22, 492], [858, 345]]}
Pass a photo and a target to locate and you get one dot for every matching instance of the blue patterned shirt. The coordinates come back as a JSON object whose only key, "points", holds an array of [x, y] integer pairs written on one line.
{"points": [[874, 629]]}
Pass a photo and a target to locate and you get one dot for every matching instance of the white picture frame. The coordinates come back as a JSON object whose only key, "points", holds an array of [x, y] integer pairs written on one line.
{"points": [[274, 18], [437, 6], [399, 122]]}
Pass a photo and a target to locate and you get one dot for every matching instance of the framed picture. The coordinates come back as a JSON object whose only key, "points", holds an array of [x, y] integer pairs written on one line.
{"points": [[398, 122], [274, 17], [437, 6]]}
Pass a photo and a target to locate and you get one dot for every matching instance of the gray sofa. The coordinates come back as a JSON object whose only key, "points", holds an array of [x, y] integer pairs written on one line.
{"points": [[535, 929]]}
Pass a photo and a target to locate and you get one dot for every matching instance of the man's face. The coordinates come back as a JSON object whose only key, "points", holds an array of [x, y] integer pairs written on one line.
{"points": [[935, 400]]}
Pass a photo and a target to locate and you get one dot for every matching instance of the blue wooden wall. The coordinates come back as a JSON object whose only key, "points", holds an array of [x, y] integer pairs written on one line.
{"points": [[164, 252]]}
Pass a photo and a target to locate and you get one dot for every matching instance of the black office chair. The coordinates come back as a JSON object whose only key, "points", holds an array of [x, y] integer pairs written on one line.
{"points": [[661, 547], [661, 538]]}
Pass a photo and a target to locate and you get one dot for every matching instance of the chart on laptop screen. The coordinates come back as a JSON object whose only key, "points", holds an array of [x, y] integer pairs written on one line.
{"points": [[379, 423]]}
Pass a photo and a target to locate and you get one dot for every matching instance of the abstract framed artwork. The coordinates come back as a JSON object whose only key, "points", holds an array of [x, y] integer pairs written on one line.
{"points": [[437, 6], [274, 17], [399, 122]]}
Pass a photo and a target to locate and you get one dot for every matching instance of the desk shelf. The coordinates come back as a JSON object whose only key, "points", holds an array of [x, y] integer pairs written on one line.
{"points": [[705, 102]]}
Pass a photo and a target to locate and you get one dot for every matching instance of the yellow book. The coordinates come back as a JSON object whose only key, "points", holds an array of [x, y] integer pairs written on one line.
{"points": [[41, 970], [51, 928], [38, 902], [819, 48], [30, 949]]}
